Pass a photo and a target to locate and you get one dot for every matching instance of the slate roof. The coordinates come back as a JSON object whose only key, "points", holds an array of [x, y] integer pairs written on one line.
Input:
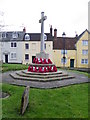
{"points": [[9, 36], [21, 36], [58, 43], [70, 42], [37, 36]]}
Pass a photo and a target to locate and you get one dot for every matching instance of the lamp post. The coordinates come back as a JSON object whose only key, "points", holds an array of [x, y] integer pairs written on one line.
{"points": [[63, 35]]}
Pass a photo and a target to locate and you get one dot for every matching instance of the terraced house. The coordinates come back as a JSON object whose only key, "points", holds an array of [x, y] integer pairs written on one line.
{"points": [[11, 46], [76, 51], [82, 50], [31, 46], [21, 47]]}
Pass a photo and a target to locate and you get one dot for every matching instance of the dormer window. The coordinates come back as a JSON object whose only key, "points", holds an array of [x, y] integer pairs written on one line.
{"points": [[15, 35], [4, 35], [27, 37], [45, 37]]}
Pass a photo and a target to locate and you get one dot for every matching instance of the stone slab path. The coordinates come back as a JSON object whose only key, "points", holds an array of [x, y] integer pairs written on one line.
{"points": [[79, 78]]}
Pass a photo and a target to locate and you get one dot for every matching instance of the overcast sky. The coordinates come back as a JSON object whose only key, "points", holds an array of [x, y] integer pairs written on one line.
{"points": [[65, 15]]}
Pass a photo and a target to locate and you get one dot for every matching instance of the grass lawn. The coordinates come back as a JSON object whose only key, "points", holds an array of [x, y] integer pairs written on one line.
{"points": [[66, 102], [76, 71], [10, 67]]}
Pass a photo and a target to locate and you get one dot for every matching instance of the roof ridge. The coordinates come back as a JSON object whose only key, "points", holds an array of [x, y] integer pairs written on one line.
{"points": [[83, 33]]}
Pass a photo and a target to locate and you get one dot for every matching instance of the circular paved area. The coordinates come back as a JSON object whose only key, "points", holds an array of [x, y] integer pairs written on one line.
{"points": [[79, 78]]}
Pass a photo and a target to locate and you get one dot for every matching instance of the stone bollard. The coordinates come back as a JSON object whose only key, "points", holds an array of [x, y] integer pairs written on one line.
{"points": [[25, 100]]}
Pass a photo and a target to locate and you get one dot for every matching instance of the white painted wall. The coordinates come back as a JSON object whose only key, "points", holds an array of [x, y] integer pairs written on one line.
{"points": [[34, 48], [7, 49]]}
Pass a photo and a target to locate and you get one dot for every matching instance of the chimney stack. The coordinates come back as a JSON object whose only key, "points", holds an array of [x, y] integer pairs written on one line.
{"points": [[51, 30], [55, 33], [24, 29]]}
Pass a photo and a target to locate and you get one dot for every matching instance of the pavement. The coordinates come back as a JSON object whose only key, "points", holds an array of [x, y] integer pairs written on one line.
{"points": [[79, 78]]}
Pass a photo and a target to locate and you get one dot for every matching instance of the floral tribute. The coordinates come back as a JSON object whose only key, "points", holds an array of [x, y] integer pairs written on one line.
{"points": [[42, 69]]}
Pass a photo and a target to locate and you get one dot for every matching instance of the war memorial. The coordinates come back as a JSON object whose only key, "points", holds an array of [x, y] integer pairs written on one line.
{"points": [[42, 69]]}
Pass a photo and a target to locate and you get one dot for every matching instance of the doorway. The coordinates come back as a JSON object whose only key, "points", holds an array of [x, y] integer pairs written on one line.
{"points": [[6, 58], [71, 62], [33, 58]]}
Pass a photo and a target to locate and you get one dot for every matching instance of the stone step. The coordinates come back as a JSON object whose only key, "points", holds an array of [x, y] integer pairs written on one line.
{"points": [[15, 76], [36, 73], [40, 76]]}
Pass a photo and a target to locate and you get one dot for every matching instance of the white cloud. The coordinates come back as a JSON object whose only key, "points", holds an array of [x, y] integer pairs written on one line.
{"points": [[65, 15]]}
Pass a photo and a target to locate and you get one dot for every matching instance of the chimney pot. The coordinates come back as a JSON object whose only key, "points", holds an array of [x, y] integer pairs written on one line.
{"points": [[51, 30], [55, 33], [24, 29]]}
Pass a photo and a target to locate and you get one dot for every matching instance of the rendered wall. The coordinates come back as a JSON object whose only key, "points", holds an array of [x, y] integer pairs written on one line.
{"points": [[34, 47], [57, 56], [81, 47]]}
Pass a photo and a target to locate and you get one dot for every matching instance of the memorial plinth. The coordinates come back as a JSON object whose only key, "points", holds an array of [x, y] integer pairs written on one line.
{"points": [[42, 65], [42, 55]]}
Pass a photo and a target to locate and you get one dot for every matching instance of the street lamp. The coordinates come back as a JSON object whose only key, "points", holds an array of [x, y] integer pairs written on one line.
{"points": [[63, 35]]}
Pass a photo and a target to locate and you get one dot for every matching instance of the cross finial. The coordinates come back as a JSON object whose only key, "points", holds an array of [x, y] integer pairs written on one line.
{"points": [[43, 18]]}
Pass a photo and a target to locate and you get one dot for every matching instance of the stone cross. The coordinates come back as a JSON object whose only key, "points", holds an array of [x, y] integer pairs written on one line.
{"points": [[42, 30]]}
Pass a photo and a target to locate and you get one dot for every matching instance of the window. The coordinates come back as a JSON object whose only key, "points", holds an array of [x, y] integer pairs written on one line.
{"points": [[26, 56], [4, 35], [85, 52], [45, 46], [62, 60], [13, 44], [84, 61], [13, 55], [26, 46], [45, 37], [62, 51], [27, 37], [84, 42], [15, 35]]}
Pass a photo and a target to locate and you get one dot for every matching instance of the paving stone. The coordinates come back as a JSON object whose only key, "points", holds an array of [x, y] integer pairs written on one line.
{"points": [[54, 84]]}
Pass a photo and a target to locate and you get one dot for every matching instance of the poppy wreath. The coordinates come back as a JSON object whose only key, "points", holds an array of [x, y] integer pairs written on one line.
{"points": [[42, 61]]}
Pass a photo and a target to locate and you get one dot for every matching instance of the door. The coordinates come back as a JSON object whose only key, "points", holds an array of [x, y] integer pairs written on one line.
{"points": [[71, 62], [6, 58], [33, 58]]}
